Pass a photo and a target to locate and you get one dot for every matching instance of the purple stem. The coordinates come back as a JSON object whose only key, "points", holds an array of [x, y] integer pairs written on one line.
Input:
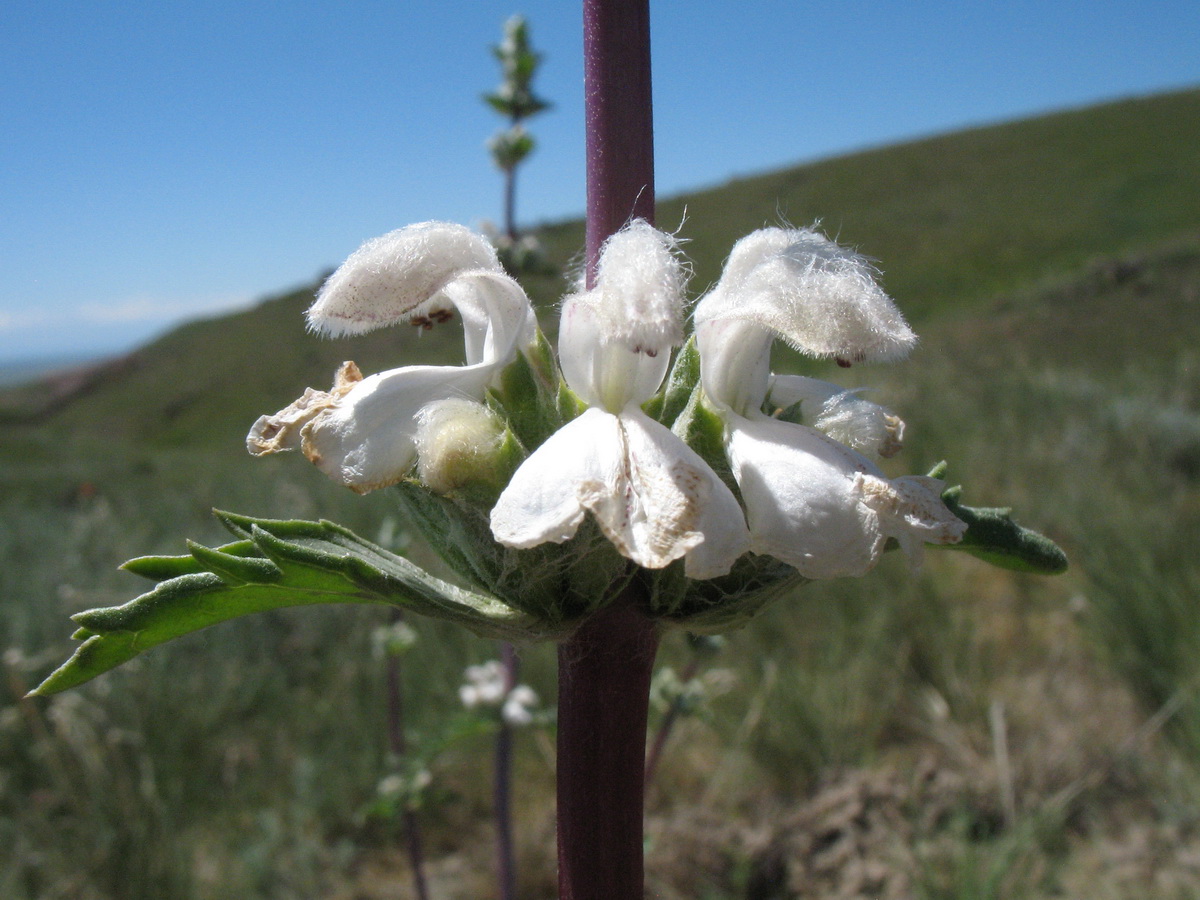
{"points": [[502, 786], [398, 745], [618, 116], [603, 699], [604, 668], [510, 203]]}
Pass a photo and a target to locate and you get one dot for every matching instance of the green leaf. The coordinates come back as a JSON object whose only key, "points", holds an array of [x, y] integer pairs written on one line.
{"points": [[994, 537], [703, 429], [527, 394], [279, 564], [160, 568], [684, 376], [510, 148]]}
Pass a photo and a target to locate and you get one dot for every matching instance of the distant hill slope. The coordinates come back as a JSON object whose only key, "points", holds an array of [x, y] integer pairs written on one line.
{"points": [[954, 221], [957, 218]]}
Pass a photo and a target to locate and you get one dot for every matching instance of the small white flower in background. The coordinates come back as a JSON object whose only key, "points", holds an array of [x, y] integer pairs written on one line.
{"points": [[393, 639], [362, 433], [402, 788], [519, 705], [667, 689], [650, 493], [811, 500], [485, 686]]}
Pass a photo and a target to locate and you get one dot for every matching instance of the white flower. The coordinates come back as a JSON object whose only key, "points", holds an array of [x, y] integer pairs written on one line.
{"points": [[362, 432], [519, 705], [393, 639], [812, 501], [651, 494], [485, 685], [840, 413]]}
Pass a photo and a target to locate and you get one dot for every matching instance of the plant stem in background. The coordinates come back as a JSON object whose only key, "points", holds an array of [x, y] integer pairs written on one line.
{"points": [[398, 745], [668, 721], [502, 786], [516, 101], [604, 668]]}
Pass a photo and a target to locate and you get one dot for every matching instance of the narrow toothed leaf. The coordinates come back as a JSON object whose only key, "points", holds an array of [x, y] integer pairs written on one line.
{"points": [[994, 537], [162, 568], [301, 563], [235, 569], [237, 525]]}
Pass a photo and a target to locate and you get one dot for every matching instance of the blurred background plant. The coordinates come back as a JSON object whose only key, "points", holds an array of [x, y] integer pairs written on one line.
{"points": [[516, 101]]}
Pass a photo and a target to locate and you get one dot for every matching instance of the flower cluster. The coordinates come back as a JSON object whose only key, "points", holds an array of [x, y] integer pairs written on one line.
{"points": [[487, 686], [791, 473]]}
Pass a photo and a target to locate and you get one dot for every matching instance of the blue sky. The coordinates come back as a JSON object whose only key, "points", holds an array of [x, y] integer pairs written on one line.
{"points": [[162, 161]]}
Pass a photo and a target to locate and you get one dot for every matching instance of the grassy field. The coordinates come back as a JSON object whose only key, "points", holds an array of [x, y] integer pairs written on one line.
{"points": [[964, 733]]}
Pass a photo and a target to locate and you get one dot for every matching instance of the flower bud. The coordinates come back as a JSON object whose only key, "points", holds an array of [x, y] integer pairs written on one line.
{"points": [[463, 447]]}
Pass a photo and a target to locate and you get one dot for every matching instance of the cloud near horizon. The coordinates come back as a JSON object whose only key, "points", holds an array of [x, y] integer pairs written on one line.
{"points": [[99, 329], [143, 309]]}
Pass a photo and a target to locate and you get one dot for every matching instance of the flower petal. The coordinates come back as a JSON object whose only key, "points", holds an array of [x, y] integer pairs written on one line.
{"points": [[911, 510], [640, 286], [393, 277], [366, 439], [675, 505], [542, 501], [803, 495], [280, 432], [496, 315], [826, 510], [603, 372], [652, 496], [847, 418], [735, 363]]}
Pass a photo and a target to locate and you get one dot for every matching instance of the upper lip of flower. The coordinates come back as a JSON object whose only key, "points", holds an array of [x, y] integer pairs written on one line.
{"points": [[361, 433], [796, 285]]}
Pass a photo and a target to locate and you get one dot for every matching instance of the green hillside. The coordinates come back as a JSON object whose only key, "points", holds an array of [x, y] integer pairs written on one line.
{"points": [[957, 218], [953, 221]]}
